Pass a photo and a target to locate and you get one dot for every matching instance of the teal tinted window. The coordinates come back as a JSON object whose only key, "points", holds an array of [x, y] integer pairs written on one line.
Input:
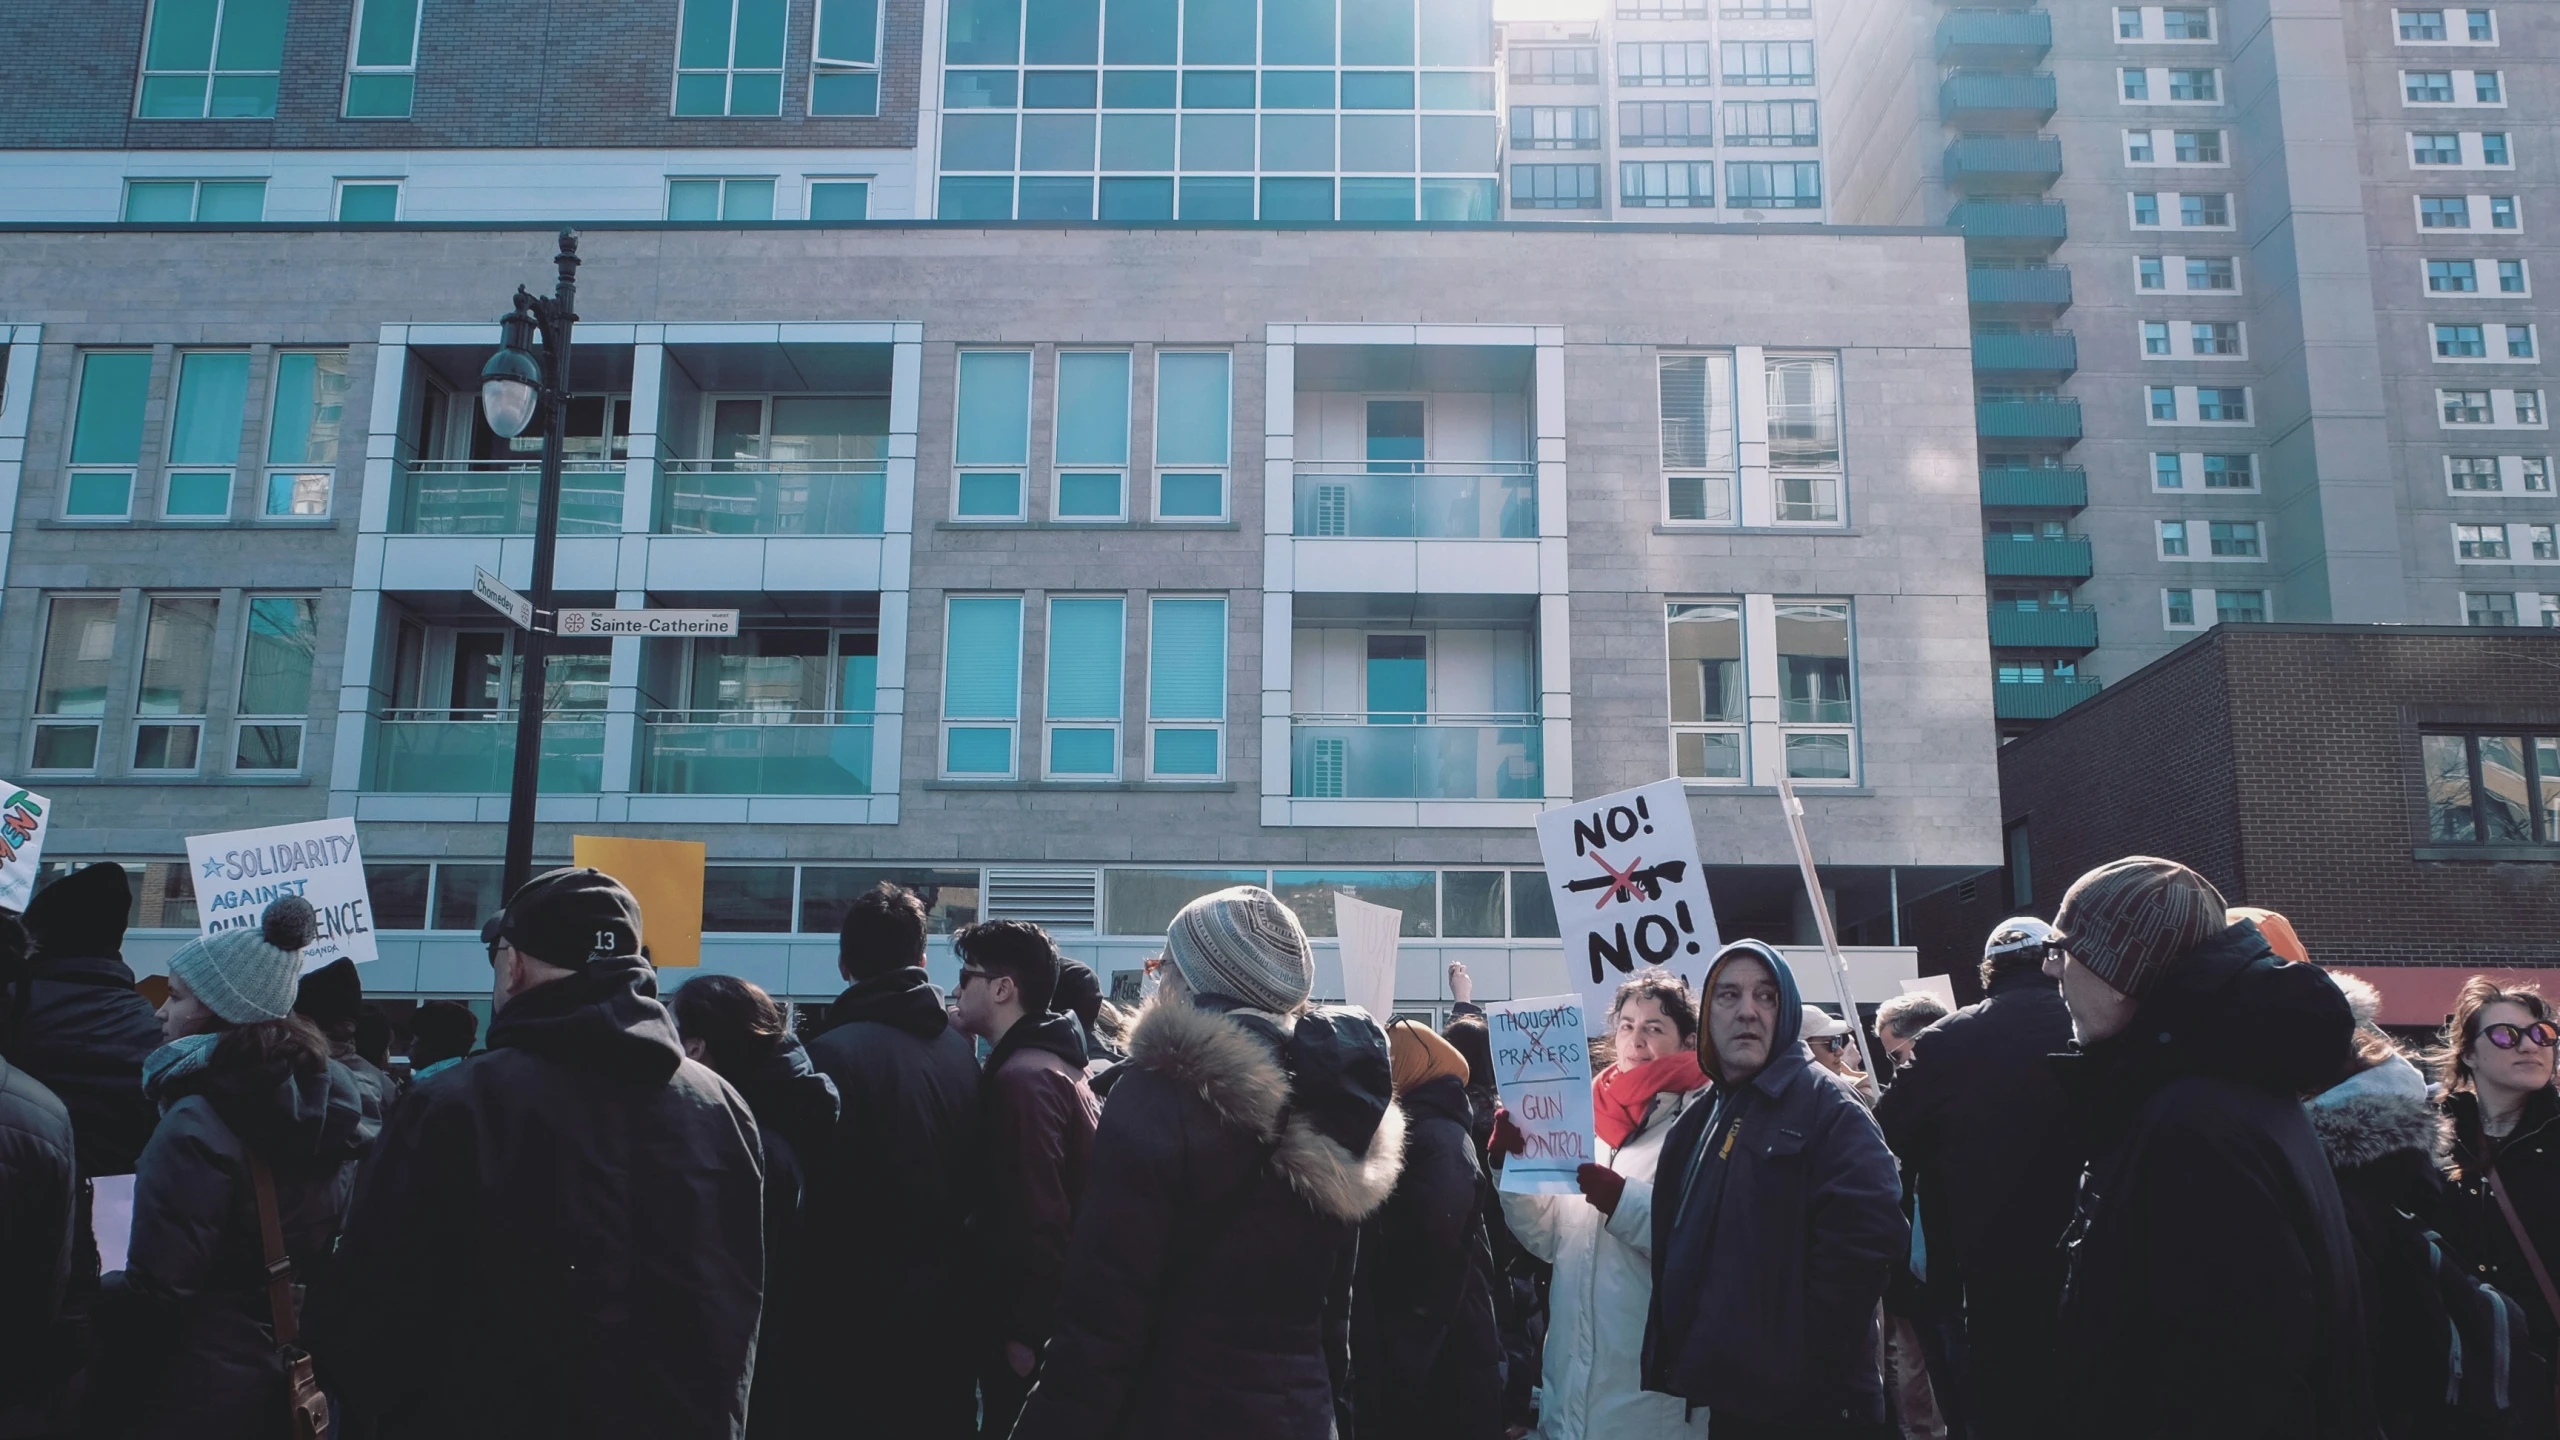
{"points": [[1457, 32], [158, 201], [1217, 89], [1378, 32], [1298, 89], [1140, 32], [839, 200], [1297, 32], [976, 197], [1138, 89], [977, 142], [360, 204], [231, 201], [1457, 199], [1056, 198], [978, 90], [1057, 142], [1137, 199], [1084, 659], [1184, 496], [1093, 407], [107, 428], [984, 32], [1187, 660], [214, 59], [1058, 90], [1062, 32], [1379, 142], [1137, 142], [1452, 90], [982, 667], [1219, 197], [1217, 142], [1217, 32], [213, 393], [995, 408], [309, 407], [1377, 199], [1286, 200], [1377, 90], [1298, 142], [844, 78], [1088, 496], [1191, 402]]}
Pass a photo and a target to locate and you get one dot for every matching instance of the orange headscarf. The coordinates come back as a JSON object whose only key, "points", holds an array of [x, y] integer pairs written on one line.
{"points": [[2277, 929], [1417, 1055]]}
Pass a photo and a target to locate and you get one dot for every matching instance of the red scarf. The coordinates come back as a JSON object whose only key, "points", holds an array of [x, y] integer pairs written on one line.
{"points": [[1620, 1098]]}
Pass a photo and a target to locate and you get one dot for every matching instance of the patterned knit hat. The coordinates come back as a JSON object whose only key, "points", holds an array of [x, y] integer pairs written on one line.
{"points": [[2129, 920], [247, 975], [1243, 944]]}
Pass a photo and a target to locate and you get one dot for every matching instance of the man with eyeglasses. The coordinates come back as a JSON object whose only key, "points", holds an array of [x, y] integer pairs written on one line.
{"points": [[2210, 1285]]}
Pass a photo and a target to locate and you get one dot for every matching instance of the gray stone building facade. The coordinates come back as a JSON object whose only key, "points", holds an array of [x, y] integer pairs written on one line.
{"points": [[1082, 569]]}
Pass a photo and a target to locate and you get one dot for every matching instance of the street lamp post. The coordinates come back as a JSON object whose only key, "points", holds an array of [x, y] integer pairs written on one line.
{"points": [[515, 380]]}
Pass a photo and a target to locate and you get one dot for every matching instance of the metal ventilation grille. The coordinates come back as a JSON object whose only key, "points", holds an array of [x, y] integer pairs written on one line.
{"points": [[1051, 899]]}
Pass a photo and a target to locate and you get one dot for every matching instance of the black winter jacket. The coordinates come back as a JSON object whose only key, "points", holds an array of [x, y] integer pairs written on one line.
{"points": [[1980, 1122], [82, 1031], [2210, 1285], [1426, 1359], [795, 1109], [39, 1181], [2529, 1161], [1771, 1250], [560, 1236], [192, 1349], [1209, 1282]]}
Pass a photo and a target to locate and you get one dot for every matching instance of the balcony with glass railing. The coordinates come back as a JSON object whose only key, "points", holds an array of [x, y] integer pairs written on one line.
{"points": [[1436, 757], [444, 752], [756, 752], [496, 497], [773, 497], [1417, 500]]}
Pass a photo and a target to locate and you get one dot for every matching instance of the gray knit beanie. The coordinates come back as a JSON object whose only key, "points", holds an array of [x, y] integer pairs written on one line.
{"points": [[247, 975], [1243, 944], [2129, 920]]}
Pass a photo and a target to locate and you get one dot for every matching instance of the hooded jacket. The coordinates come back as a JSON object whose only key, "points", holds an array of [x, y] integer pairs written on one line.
{"points": [[38, 1184], [1040, 1117], [1426, 1360], [192, 1350], [562, 1235], [2210, 1285], [80, 1028], [2528, 1159], [796, 1110], [1777, 1220], [1210, 1275]]}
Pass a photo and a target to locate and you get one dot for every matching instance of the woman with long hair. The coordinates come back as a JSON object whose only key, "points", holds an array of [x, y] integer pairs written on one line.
{"points": [[2496, 1069]]}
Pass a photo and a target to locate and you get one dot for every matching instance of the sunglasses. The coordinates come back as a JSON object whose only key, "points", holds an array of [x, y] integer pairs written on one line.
{"points": [[1833, 1043], [2508, 1037]]}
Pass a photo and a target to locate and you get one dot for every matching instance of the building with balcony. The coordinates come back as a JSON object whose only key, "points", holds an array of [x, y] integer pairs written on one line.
{"points": [[1126, 568]]}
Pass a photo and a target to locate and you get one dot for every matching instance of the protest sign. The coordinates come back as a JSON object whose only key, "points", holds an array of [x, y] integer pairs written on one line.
{"points": [[23, 818], [1368, 953], [665, 876], [239, 873], [1542, 1067], [1629, 893]]}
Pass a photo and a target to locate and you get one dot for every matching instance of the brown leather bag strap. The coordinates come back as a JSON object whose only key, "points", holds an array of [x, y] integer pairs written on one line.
{"points": [[2532, 1256], [279, 1264]]}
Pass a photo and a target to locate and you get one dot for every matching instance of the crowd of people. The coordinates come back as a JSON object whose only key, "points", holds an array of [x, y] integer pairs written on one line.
{"points": [[2167, 1178]]}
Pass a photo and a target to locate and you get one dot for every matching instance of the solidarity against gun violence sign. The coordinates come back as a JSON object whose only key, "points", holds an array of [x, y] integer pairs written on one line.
{"points": [[239, 873], [1542, 1066], [1628, 890]]}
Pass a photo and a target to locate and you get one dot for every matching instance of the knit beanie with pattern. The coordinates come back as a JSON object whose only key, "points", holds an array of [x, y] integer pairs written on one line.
{"points": [[248, 975], [2129, 920], [1243, 944]]}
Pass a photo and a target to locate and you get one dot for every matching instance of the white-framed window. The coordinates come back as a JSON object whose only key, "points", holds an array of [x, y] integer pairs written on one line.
{"points": [[1817, 700], [844, 74], [1805, 473], [203, 202], [382, 59], [2495, 607], [2480, 542], [1710, 691], [2461, 149], [2495, 408], [2445, 27], [1088, 649], [2181, 211], [2451, 277], [720, 197], [2469, 212], [1675, 62], [306, 413], [1776, 124], [1186, 687], [106, 434], [176, 672], [2489, 341], [729, 57], [1090, 447], [277, 652], [1695, 393], [2170, 85], [2240, 607], [981, 687], [367, 200], [2223, 473], [2187, 274], [211, 60], [2497, 474], [1577, 127], [72, 678], [2156, 24], [2178, 609], [2139, 148], [991, 436], [2198, 404], [1766, 62], [204, 434], [1194, 435], [2216, 339], [2175, 147], [2175, 543], [839, 197]]}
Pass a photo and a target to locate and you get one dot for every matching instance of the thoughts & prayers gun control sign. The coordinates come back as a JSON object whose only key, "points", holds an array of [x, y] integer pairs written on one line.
{"points": [[1542, 1067]]}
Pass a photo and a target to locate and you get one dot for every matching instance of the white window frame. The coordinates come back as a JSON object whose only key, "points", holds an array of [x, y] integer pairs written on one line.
{"points": [[1058, 470], [1224, 724], [2192, 353], [2503, 410], [338, 196], [667, 209], [170, 471], [1665, 473], [1785, 730], [355, 31], [809, 191], [2190, 410], [2495, 337], [2155, 25], [818, 65], [2162, 141], [1739, 729], [1012, 727], [39, 721], [1839, 477], [1051, 724], [268, 469], [212, 71], [195, 195], [242, 720], [2155, 82], [2199, 605], [137, 720], [1156, 468], [1022, 473], [728, 72], [2457, 26]]}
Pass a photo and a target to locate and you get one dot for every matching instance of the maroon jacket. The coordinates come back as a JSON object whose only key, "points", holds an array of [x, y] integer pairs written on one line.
{"points": [[1039, 1116]]}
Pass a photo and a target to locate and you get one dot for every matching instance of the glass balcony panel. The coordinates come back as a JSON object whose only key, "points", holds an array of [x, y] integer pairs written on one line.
{"points": [[774, 497], [756, 752], [1426, 500], [497, 497], [1459, 758], [429, 752]]}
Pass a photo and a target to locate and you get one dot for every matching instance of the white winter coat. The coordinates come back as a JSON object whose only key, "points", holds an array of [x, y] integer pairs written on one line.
{"points": [[1596, 1306]]}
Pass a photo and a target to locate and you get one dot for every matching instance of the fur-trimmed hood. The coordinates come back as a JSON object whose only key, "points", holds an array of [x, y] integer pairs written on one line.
{"points": [[1238, 1074], [2377, 1113]]}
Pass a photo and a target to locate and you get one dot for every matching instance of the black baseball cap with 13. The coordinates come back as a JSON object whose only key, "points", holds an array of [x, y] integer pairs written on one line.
{"points": [[571, 916]]}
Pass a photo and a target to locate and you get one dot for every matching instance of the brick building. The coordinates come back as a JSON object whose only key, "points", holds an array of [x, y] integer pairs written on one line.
{"points": [[2394, 791]]}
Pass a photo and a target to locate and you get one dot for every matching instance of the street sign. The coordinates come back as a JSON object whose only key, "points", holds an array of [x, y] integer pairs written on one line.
{"points": [[655, 623], [498, 595]]}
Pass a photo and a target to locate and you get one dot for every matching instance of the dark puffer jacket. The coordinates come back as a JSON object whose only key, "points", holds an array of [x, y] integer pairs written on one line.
{"points": [[38, 1182], [562, 1235], [1209, 1283], [2528, 1159], [79, 1026], [192, 1349], [2210, 1287], [1427, 1361], [1040, 1118], [795, 1109]]}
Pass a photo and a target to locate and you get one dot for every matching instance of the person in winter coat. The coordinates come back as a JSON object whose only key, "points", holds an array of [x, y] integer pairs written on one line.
{"points": [[1827, 1040], [2209, 1284], [79, 1026], [240, 1081], [440, 1035], [332, 999], [1080, 994], [734, 1027], [39, 1189], [1519, 1278], [1426, 1360], [892, 1198], [1777, 1219], [1209, 1281], [1040, 1118], [1600, 1241], [1980, 1123], [564, 1234], [2496, 1068]]}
